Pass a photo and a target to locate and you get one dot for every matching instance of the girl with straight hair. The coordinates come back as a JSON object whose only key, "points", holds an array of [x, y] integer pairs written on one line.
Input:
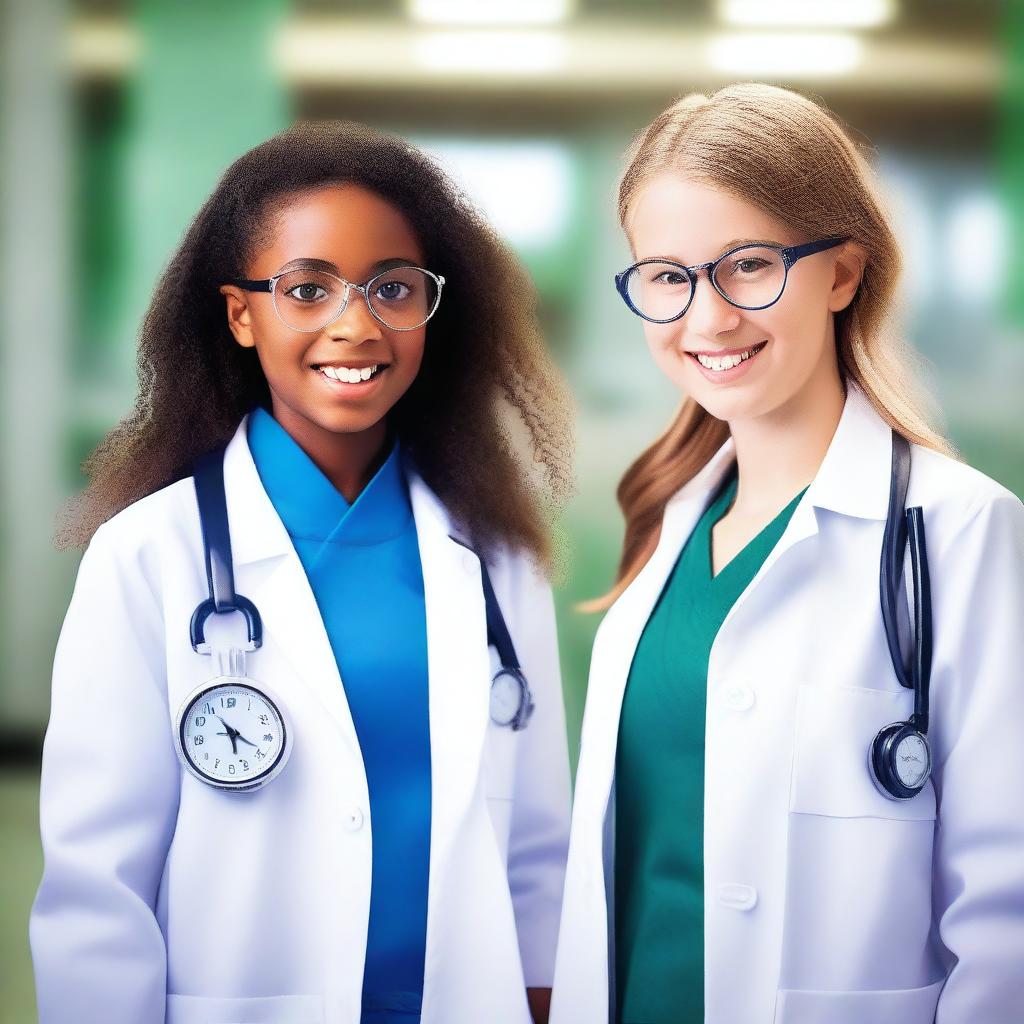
{"points": [[800, 794]]}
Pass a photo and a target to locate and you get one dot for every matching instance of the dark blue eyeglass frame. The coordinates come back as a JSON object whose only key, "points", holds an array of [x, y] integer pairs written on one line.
{"points": [[789, 255]]}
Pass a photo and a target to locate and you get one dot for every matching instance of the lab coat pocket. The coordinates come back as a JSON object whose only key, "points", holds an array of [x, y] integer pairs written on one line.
{"points": [[893, 1006], [303, 1009], [835, 727], [859, 867]]}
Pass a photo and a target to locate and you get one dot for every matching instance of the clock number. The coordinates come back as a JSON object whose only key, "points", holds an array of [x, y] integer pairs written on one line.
{"points": [[199, 740], [200, 721], [230, 702], [231, 769], [207, 709], [264, 720], [260, 755], [216, 763], [268, 737], [245, 765]]}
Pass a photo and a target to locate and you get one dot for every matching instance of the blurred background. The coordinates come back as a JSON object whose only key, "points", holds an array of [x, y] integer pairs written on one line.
{"points": [[119, 117]]}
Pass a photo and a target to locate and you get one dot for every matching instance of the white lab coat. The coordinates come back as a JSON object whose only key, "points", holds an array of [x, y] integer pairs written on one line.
{"points": [[162, 895], [825, 902]]}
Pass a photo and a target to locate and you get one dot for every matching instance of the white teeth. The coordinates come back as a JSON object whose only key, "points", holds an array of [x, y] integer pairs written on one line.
{"points": [[349, 375], [725, 362]]}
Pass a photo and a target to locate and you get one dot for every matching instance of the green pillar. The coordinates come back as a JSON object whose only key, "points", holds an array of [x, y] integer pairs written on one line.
{"points": [[1011, 155], [204, 93]]}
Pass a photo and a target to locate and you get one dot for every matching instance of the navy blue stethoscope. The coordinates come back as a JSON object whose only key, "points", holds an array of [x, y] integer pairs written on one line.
{"points": [[511, 702], [900, 758]]}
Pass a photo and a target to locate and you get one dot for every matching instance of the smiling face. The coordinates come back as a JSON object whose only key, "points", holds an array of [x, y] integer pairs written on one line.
{"points": [[353, 233], [787, 348]]}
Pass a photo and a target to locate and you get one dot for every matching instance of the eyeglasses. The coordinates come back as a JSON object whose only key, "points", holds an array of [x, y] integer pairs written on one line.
{"points": [[401, 298], [749, 277]]}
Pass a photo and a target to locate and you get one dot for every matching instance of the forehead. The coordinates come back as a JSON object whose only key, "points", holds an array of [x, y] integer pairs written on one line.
{"points": [[346, 225], [693, 222]]}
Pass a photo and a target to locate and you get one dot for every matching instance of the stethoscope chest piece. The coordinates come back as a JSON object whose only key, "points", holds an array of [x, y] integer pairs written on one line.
{"points": [[232, 734], [900, 761], [511, 702]]}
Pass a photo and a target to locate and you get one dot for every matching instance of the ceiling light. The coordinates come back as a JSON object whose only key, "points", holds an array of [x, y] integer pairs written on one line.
{"points": [[490, 12], [490, 52], [808, 13], [788, 56]]}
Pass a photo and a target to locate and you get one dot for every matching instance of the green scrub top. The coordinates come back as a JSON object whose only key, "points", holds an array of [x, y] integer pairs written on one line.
{"points": [[659, 788]]}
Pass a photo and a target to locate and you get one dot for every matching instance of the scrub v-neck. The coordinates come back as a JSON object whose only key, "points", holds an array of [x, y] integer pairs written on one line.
{"points": [[659, 782], [363, 564]]}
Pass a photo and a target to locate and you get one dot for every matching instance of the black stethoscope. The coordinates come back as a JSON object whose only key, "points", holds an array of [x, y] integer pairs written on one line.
{"points": [[511, 702], [900, 758]]}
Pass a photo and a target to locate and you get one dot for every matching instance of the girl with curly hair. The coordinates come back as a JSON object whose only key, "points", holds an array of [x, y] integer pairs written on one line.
{"points": [[309, 764]]}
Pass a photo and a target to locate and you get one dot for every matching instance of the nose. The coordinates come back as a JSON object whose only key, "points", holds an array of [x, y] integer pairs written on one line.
{"points": [[709, 315], [356, 324]]}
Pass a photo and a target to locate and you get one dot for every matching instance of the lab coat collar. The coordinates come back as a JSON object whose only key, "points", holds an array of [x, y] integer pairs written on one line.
{"points": [[853, 478], [309, 504], [256, 529]]}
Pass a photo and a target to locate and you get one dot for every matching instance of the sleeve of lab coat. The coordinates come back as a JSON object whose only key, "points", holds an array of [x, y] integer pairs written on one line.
{"points": [[539, 840], [108, 802], [977, 730]]}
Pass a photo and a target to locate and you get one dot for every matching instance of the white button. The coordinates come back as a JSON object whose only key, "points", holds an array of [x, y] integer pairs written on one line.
{"points": [[739, 897], [354, 819], [739, 698], [470, 562]]}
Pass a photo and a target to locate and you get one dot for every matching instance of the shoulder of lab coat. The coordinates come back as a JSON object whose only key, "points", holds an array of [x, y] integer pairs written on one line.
{"points": [[539, 840], [975, 538], [110, 783], [539, 836]]}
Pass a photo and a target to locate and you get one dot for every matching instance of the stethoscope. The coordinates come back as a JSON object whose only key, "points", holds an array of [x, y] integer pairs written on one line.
{"points": [[233, 733], [900, 758]]}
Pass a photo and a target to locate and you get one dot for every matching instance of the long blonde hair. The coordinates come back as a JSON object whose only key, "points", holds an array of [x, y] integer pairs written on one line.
{"points": [[788, 156]]}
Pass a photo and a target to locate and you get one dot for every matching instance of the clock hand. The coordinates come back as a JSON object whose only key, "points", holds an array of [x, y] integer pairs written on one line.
{"points": [[231, 734], [244, 740]]}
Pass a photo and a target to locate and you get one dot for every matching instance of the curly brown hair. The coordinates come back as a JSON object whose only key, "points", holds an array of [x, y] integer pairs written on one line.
{"points": [[196, 382]]}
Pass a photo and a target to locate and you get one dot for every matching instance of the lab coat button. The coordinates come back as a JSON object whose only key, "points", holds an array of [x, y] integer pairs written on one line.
{"points": [[353, 819], [738, 897], [739, 698]]}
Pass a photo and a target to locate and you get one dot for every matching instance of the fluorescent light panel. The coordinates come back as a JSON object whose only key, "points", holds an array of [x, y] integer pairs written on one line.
{"points": [[808, 13], [789, 56], [490, 12], [488, 53]]}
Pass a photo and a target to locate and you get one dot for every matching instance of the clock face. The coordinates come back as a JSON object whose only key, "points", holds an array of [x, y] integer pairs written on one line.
{"points": [[506, 698], [913, 761], [232, 735]]}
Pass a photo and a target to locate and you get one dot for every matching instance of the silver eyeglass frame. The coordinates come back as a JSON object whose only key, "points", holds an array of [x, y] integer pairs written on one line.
{"points": [[269, 284]]}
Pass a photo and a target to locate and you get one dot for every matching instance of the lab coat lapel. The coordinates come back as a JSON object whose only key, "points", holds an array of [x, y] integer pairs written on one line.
{"points": [[268, 571], [458, 666], [853, 480], [620, 632]]}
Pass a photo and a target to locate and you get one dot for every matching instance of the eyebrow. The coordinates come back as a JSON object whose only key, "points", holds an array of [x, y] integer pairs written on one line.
{"points": [[326, 267]]}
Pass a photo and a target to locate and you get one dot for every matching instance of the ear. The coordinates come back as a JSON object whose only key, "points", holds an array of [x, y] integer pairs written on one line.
{"points": [[239, 315], [849, 270]]}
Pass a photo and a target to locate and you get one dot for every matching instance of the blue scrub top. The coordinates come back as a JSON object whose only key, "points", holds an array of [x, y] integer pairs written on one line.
{"points": [[363, 565]]}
